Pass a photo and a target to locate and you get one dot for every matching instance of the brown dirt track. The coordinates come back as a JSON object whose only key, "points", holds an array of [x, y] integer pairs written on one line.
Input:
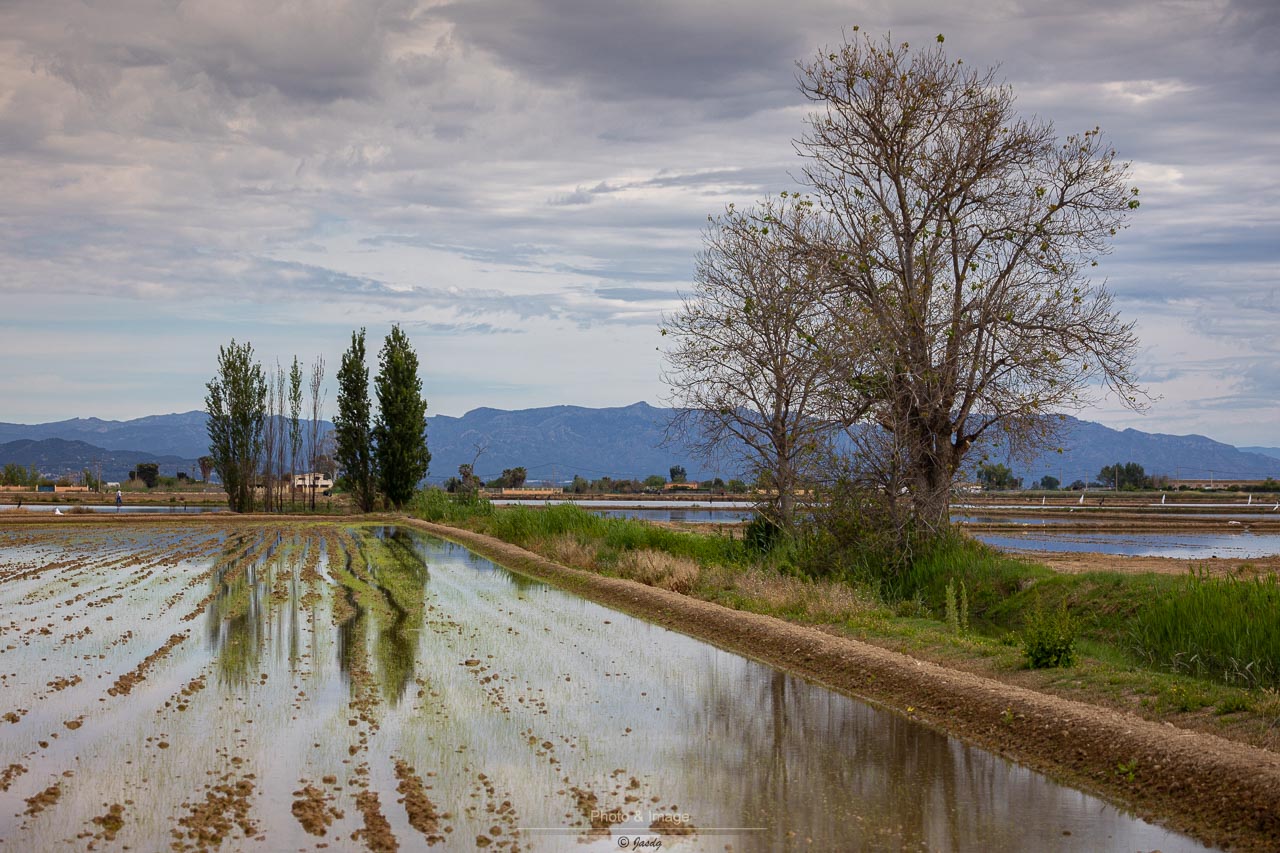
{"points": [[1223, 792]]}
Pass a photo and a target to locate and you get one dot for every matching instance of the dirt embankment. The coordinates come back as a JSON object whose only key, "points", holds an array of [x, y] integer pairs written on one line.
{"points": [[1223, 792]]}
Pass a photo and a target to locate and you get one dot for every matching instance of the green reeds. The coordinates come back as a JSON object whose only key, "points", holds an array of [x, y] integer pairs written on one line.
{"points": [[1227, 629]]}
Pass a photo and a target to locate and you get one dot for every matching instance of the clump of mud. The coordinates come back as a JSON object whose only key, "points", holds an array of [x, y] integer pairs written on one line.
{"points": [[7, 775], [41, 801], [601, 820], [111, 822], [421, 811], [211, 821], [672, 824], [376, 833], [125, 683], [313, 811]]}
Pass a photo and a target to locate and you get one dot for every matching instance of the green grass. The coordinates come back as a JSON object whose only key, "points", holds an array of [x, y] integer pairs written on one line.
{"points": [[527, 526], [1226, 629]]}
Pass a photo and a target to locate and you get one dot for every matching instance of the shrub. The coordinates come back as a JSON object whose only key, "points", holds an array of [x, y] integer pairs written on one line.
{"points": [[957, 608], [1049, 638], [761, 534]]}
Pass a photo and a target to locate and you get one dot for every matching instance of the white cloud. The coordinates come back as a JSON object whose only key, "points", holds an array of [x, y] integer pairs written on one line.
{"points": [[525, 182]]}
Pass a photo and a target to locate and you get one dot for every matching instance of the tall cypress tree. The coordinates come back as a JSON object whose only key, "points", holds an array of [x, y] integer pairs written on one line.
{"points": [[401, 454], [351, 430]]}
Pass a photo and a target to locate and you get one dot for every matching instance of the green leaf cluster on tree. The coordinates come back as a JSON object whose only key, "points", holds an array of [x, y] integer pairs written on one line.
{"points": [[235, 403], [15, 475], [995, 476], [511, 478], [1128, 476], [149, 473]]}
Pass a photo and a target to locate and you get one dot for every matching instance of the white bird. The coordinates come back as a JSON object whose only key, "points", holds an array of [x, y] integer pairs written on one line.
{"points": [[1042, 499], [1082, 497], [1250, 503], [57, 511], [1162, 497]]}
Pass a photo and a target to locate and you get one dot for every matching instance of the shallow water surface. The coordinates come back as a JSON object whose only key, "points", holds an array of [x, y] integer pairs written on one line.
{"points": [[1189, 546], [66, 509], [258, 683]]}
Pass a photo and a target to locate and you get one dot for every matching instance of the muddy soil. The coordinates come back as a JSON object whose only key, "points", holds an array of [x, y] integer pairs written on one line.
{"points": [[1220, 791]]}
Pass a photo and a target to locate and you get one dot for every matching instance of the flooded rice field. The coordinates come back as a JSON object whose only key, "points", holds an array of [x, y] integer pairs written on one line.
{"points": [[1183, 545], [683, 516], [260, 686]]}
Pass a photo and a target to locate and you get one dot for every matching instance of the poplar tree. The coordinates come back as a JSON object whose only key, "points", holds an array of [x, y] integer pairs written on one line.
{"points": [[235, 404], [352, 434], [400, 434]]}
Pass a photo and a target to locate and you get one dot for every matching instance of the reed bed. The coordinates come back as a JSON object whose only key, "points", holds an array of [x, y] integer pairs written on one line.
{"points": [[1227, 629]]}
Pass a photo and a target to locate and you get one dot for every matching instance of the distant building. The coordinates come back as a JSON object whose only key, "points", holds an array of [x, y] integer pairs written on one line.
{"points": [[531, 492], [312, 478]]}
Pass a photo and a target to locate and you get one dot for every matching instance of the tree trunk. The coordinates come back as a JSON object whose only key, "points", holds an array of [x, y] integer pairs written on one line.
{"points": [[930, 480]]}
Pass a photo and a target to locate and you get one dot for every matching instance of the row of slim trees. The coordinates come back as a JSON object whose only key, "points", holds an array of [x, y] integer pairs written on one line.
{"points": [[922, 296], [257, 437]]}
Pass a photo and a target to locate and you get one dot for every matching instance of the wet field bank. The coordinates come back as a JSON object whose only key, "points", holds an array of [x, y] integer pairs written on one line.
{"points": [[288, 685]]}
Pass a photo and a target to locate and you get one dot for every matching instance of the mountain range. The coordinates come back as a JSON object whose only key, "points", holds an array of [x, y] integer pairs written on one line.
{"points": [[556, 442]]}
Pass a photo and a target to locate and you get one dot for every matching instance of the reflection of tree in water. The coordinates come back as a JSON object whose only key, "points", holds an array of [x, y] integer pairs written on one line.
{"points": [[398, 574], [240, 618], [844, 774], [234, 624]]}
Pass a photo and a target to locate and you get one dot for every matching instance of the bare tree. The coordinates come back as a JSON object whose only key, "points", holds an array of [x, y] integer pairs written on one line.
{"points": [[270, 435], [961, 235], [314, 449], [295, 427], [748, 367], [282, 437]]}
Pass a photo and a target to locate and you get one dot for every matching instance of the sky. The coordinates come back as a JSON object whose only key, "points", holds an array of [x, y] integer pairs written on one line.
{"points": [[522, 184]]}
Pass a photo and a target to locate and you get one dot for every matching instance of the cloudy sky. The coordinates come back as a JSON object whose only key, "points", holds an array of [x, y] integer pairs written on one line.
{"points": [[522, 184]]}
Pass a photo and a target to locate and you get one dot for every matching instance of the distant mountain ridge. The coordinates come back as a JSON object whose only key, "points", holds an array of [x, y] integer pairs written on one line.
{"points": [[58, 456], [181, 435], [557, 442]]}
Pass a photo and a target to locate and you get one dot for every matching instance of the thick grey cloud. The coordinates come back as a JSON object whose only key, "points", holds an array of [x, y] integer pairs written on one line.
{"points": [[617, 50], [536, 173]]}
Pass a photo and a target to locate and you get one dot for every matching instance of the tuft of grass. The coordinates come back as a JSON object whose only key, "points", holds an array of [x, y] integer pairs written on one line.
{"points": [[777, 594], [657, 568], [1215, 627], [572, 551]]}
